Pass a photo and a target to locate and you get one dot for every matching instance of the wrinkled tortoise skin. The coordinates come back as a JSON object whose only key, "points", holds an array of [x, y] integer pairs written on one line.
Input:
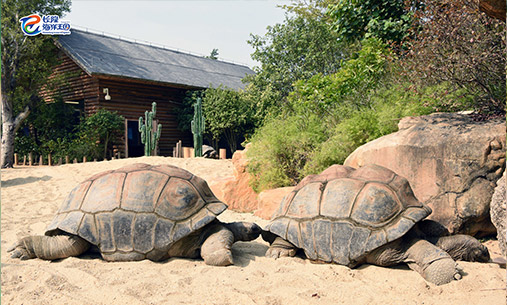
{"points": [[342, 214], [137, 211]]}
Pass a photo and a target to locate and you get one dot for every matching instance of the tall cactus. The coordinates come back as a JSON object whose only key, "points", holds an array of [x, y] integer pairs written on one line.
{"points": [[198, 126], [149, 137]]}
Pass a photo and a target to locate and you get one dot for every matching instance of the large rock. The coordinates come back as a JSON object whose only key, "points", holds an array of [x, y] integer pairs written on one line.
{"points": [[451, 162], [236, 191], [499, 213], [269, 201]]}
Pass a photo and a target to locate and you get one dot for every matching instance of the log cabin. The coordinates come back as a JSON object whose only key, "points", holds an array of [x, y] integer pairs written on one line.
{"points": [[127, 77]]}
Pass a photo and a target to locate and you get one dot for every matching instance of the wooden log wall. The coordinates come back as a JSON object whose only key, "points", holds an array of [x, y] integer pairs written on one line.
{"points": [[77, 85], [132, 98]]}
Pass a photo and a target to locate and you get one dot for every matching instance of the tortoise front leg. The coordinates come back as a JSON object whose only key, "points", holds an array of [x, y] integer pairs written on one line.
{"points": [[216, 249], [48, 247], [433, 263], [281, 248]]}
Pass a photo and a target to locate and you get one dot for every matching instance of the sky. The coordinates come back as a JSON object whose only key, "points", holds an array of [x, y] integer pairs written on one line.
{"points": [[194, 26]]}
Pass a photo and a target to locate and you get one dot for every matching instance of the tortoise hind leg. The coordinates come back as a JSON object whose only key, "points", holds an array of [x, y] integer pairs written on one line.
{"points": [[49, 247]]}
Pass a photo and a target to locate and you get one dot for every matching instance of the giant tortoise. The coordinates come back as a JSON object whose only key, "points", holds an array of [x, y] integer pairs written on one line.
{"points": [[367, 215], [140, 212]]}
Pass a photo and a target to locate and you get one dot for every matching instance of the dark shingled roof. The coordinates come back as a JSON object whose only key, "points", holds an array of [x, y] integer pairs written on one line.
{"points": [[102, 55]]}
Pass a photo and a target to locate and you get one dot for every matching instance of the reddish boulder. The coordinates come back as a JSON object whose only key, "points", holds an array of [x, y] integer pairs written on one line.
{"points": [[451, 162], [236, 191], [269, 201]]}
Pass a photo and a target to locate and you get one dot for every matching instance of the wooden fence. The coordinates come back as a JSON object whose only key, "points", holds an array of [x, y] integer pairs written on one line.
{"points": [[31, 159]]}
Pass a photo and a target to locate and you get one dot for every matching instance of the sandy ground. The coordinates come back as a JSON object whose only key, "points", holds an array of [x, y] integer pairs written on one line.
{"points": [[31, 196]]}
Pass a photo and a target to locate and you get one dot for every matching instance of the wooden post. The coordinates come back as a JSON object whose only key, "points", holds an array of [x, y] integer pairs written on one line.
{"points": [[223, 153], [16, 159], [75, 160], [186, 152], [30, 160], [50, 162], [192, 154], [67, 160], [60, 161], [84, 159], [41, 161], [24, 160]]}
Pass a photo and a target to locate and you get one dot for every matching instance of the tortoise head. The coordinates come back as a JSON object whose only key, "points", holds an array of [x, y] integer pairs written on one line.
{"points": [[244, 231]]}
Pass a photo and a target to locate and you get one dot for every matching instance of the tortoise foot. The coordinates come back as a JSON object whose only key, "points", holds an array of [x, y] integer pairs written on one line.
{"points": [[443, 271]]}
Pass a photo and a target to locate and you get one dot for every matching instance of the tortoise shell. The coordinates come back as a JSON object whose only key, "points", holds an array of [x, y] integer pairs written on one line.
{"points": [[137, 211], [342, 214]]}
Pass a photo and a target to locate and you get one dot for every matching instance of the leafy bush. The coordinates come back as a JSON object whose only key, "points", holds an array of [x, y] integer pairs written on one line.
{"points": [[288, 148], [281, 148], [50, 131], [99, 132]]}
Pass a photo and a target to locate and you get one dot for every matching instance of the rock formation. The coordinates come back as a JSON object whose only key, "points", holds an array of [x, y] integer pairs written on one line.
{"points": [[451, 162]]}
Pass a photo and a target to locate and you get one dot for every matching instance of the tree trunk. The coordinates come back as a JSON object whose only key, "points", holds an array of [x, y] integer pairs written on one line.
{"points": [[9, 127]]}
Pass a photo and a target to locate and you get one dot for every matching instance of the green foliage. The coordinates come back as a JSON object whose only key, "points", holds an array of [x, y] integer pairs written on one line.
{"points": [[102, 128], [227, 114], [296, 49], [281, 148], [389, 20], [289, 148], [26, 66], [350, 85], [213, 54], [47, 124]]}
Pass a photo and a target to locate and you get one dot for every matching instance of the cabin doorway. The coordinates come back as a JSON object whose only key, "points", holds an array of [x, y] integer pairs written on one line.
{"points": [[133, 145]]}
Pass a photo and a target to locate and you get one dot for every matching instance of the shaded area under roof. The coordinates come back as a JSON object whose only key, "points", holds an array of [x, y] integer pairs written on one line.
{"points": [[98, 54]]}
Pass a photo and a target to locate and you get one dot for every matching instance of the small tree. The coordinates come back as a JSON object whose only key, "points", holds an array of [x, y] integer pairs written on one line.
{"points": [[227, 114], [103, 128], [213, 54]]}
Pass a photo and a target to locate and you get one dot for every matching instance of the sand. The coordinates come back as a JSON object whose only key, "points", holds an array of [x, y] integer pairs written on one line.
{"points": [[31, 195]]}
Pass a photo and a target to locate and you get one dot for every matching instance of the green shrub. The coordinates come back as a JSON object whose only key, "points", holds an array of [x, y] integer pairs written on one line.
{"points": [[99, 132], [281, 148]]}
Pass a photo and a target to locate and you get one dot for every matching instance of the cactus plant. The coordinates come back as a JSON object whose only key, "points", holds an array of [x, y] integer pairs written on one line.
{"points": [[149, 137], [198, 126]]}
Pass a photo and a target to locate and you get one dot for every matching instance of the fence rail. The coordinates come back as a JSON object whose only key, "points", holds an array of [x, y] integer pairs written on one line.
{"points": [[30, 160]]}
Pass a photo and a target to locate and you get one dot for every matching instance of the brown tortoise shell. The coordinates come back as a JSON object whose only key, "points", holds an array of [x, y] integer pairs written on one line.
{"points": [[342, 214], [137, 211]]}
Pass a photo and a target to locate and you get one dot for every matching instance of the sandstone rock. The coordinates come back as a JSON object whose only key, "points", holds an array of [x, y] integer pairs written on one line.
{"points": [[499, 213], [451, 162], [236, 192], [269, 201]]}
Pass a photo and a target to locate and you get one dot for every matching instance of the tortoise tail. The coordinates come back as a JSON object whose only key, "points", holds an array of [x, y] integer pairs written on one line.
{"points": [[49, 247]]}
